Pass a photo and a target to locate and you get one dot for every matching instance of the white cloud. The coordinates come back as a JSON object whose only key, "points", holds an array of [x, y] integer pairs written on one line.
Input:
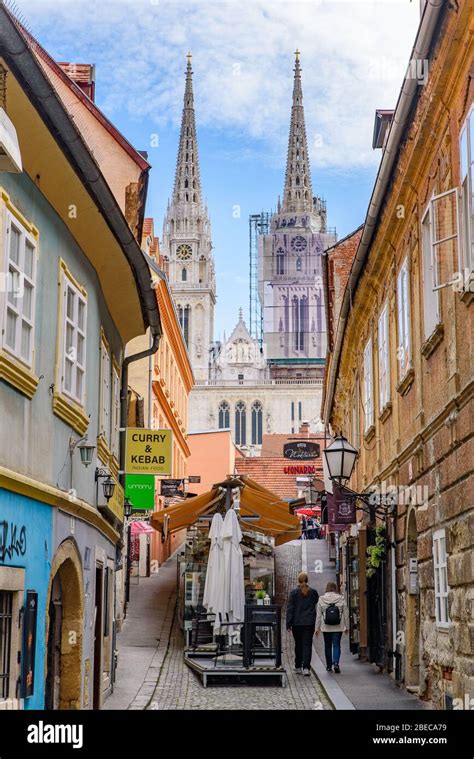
{"points": [[353, 56]]}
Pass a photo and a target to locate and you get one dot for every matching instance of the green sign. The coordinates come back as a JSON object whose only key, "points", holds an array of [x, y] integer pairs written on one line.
{"points": [[140, 490]]}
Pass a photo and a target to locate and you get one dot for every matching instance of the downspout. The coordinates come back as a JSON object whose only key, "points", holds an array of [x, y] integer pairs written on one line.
{"points": [[124, 397]]}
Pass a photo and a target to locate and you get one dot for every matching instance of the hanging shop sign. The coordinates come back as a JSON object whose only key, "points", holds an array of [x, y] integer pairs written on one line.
{"points": [[341, 509], [148, 451], [29, 643], [301, 450], [116, 503], [302, 469], [170, 488], [140, 490]]}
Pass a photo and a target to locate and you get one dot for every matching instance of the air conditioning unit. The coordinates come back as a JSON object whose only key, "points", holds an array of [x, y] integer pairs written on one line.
{"points": [[10, 156]]}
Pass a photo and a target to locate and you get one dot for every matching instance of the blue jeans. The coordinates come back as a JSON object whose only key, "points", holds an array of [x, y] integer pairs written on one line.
{"points": [[332, 647]]}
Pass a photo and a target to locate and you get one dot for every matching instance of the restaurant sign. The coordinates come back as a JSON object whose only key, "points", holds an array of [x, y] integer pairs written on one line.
{"points": [[140, 490], [300, 469], [341, 509], [301, 450], [148, 451]]}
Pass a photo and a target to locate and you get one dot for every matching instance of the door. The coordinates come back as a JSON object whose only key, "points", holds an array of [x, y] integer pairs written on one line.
{"points": [[98, 624], [53, 673]]}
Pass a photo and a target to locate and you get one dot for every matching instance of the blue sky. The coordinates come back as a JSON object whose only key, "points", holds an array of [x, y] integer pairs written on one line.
{"points": [[353, 57]]}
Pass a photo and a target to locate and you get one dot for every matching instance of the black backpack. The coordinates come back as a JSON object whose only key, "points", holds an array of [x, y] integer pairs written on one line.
{"points": [[332, 615]]}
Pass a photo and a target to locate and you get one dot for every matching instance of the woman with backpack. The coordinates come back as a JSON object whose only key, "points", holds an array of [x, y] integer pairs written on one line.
{"points": [[332, 619], [301, 619]]}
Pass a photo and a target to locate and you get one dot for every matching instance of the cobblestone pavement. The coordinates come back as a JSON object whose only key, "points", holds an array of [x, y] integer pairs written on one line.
{"points": [[179, 688]]}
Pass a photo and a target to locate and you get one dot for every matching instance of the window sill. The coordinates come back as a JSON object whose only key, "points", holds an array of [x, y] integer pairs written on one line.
{"points": [[103, 451], [17, 375], [386, 411], [71, 413], [405, 384], [369, 433], [430, 345]]}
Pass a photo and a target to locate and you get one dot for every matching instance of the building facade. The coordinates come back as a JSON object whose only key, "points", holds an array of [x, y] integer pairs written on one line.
{"points": [[400, 379], [163, 382], [73, 296]]}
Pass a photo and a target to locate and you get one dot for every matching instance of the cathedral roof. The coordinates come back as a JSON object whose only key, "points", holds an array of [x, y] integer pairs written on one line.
{"points": [[298, 193], [187, 183]]}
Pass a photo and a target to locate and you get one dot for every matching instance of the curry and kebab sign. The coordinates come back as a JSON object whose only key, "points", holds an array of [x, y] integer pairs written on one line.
{"points": [[148, 451]]}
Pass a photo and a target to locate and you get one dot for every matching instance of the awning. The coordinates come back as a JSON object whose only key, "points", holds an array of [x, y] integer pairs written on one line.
{"points": [[139, 527], [274, 519]]}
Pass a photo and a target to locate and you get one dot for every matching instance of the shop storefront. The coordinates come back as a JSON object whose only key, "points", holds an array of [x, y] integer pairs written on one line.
{"points": [[25, 559]]}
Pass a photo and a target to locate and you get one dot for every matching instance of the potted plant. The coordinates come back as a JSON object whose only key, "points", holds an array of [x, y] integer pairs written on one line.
{"points": [[376, 553], [260, 594]]}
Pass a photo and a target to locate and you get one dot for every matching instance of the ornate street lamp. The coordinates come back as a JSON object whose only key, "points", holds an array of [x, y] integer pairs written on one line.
{"points": [[340, 459], [127, 507], [108, 486], [86, 450]]}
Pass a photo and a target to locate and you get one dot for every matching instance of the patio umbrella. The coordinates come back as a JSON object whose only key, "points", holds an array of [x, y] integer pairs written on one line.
{"points": [[232, 602], [213, 588]]}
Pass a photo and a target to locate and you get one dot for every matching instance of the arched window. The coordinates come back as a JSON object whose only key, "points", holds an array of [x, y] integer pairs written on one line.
{"points": [[240, 423], [257, 423], [280, 263], [184, 274], [184, 315], [296, 322], [299, 264], [224, 415]]}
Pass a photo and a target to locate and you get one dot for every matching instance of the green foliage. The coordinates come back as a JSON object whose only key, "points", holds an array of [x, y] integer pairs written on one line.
{"points": [[261, 593], [376, 553]]}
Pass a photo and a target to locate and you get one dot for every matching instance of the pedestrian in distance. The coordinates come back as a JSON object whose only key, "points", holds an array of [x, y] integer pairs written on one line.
{"points": [[301, 620], [332, 619], [304, 527], [310, 528]]}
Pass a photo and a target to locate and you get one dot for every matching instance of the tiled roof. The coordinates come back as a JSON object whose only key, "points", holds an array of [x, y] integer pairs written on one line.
{"points": [[270, 472]]}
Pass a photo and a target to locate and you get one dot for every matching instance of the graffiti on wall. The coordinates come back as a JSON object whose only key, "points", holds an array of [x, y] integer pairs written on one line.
{"points": [[12, 540]]}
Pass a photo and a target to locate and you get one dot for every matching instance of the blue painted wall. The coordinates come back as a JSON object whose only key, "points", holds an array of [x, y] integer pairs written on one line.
{"points": [[35, 558]]}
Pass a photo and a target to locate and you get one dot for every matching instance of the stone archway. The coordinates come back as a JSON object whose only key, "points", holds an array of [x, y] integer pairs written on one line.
{"points": [[412, 629], [64, 632]]}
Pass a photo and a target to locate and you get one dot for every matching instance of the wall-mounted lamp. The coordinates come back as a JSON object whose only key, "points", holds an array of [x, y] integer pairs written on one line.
{"points": [[86, 450], [108, 486], [127, 507]]}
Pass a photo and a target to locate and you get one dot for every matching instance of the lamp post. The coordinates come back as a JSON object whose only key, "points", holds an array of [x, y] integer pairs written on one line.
{"points": [[127, 512], [340, 459]]}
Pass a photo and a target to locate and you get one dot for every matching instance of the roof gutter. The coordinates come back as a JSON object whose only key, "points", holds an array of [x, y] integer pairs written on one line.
{"points": [[423, 41], [21, 61]]}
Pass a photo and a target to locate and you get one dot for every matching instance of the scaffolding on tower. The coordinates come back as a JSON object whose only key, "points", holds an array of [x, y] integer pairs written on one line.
{"points": [[259, 224]]}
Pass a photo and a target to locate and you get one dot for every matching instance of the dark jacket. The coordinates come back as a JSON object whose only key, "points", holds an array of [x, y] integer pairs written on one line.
{"points": [[301, 610]]}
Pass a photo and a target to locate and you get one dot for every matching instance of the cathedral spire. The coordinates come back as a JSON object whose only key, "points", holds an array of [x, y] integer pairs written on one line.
{"points": [[187, 182], [298, 193]]}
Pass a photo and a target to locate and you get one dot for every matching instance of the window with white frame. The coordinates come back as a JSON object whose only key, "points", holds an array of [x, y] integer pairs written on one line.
{"points": [[403, 318], [431, 310], [440, 566], [384, 358], [443, 225], [355, 415], [73, 343], [467, 190], [19, 288], [368, 386], [105, 374], [115, 411]]}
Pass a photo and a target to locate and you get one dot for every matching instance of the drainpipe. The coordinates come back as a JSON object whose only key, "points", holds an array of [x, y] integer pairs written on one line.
{"points": [[124, 398]]}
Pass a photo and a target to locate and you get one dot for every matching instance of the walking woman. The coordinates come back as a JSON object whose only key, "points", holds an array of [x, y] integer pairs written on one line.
{"points": [[332, 619], [301, 619]]}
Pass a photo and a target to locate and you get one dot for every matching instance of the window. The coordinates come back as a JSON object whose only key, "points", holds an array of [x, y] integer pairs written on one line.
{"points": [[104, 416], [280, 261], [257, 423], [20, 275], [384, 358], [467, 190], [440, 566], [443, 238], [73, 359], [403, 314], [430, 295], [115, 442], [300, 411], [355, 415], [184, 319], [368, 386], [184, 274], [6, 615], [240, 423], [224, 415], [299, 264], [240, 379]]}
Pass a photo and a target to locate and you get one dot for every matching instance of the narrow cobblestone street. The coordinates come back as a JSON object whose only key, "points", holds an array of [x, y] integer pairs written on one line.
{"points": [[167, 683]]}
